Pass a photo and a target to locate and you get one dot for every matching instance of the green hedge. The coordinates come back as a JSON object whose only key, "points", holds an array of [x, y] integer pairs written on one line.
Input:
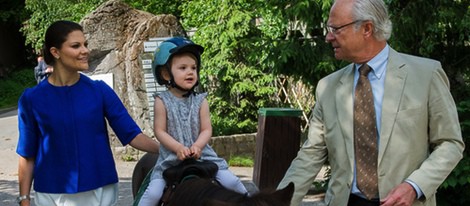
{"points": [[456, 188], [13, 85]]}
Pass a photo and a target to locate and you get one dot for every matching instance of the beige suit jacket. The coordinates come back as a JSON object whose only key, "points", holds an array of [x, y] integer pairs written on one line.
{"points": [[420, 137]]}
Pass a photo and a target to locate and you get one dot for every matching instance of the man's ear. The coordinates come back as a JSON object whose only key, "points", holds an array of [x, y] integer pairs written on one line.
{"points": [[368, 29]]}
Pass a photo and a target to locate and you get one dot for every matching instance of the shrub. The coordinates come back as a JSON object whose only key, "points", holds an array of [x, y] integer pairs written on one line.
{"points": [[13, 86], [238, 161], [452, 191]]}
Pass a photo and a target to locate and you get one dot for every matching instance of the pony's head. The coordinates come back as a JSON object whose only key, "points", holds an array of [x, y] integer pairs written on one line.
{"points": [[264, 198]]}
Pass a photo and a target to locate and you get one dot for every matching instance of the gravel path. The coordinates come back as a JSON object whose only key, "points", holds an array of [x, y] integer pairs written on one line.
{"points": [[9, 167]]}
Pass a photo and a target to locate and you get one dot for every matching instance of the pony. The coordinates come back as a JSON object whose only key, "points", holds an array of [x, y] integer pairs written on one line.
{"points": [[207, 192], [141, 170], [193, 183]]}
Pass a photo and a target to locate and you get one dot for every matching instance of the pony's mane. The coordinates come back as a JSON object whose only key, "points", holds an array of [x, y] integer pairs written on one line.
{"points": [[205, 192]]}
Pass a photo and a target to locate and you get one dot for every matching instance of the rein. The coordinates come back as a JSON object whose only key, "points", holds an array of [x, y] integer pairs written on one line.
{"points": [[188, 177]]}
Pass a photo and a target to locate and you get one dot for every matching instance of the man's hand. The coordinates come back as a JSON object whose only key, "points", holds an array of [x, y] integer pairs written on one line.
{"points": [[402, 195]]}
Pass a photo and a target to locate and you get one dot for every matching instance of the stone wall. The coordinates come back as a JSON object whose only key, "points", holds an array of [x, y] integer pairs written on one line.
{"points": [[235, 145], [116, 34], [243, 145]]}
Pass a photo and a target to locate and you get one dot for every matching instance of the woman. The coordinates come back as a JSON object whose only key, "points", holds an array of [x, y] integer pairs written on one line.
{"points": [[63, 142]]}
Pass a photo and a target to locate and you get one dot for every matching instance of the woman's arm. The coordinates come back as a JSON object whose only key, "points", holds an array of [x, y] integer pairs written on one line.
{"points": [[145, 143], [25, 177]]}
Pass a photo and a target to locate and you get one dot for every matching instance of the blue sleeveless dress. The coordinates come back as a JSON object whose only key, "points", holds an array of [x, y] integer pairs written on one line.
{"points": [[183, 124]]}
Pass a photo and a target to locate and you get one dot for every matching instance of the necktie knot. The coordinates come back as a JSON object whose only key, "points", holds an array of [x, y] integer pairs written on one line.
{"points": [[364, 70]]}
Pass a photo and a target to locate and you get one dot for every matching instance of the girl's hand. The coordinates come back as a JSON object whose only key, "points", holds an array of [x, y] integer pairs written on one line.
{"points": [[183, 153], [196, 152]]}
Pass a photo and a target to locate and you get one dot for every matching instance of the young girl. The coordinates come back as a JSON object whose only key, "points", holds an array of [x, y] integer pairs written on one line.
{"points": [[182, 119]]}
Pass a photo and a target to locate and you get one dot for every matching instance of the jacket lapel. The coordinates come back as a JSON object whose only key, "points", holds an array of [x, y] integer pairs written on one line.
{"points": [[394, 87], [344, 107]]}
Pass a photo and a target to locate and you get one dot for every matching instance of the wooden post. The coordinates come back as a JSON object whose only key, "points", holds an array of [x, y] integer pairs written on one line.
{"points": [[277, 144]]}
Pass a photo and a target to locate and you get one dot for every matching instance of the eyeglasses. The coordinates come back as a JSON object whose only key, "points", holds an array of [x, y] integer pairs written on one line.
{"points": [[335, 29]]}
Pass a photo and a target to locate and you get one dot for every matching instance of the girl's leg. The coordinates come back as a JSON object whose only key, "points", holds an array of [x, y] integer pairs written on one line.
{"points": [[153, 193], [230, 181]]}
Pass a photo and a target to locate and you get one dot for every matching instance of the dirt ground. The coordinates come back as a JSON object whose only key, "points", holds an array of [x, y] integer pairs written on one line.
{"points": [[9, 167]]}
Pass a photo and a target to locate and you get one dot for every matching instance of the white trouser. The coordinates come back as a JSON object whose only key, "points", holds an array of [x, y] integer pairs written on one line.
{"points": [[103, 196]]}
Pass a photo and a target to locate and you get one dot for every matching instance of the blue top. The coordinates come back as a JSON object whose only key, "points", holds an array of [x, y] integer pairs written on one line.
{"points": [[65, 129]]}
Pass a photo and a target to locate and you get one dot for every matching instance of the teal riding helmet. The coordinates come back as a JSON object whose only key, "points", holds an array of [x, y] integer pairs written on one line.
{"points": [[167, 49]]}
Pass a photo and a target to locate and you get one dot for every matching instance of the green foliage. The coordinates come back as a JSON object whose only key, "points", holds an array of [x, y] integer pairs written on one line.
{"points": [[11, 11], [13, 86], [238, 85], [450, 192], [249, 43], [239, 161], [322, 184], [44, 12], [158, 7], [293, 41], [128, 158], [441, 34]]}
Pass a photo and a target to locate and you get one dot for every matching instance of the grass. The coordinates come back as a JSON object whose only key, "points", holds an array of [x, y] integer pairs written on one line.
{"points": [[13, 86], [128, 158], [239, 161]]}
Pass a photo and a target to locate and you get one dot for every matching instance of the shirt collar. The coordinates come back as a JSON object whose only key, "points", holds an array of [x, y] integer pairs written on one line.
{"points": [[379, 62]]}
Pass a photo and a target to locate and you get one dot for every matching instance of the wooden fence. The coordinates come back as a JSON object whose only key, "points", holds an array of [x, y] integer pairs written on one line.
{"points": [[296, 95]]}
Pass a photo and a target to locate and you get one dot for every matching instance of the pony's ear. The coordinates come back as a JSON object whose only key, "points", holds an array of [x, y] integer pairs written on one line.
{"points": [[286, 193], [212, 202]]}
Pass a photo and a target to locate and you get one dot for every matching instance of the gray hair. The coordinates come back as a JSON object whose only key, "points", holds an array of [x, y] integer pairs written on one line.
{"points": [[375, 11]]}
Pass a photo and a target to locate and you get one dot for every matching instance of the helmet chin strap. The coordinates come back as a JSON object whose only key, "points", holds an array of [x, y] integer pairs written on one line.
{"points": [[174, 85]]}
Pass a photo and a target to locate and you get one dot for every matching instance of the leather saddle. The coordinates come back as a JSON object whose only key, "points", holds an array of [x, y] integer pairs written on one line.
{"points": [[188, 168]]}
